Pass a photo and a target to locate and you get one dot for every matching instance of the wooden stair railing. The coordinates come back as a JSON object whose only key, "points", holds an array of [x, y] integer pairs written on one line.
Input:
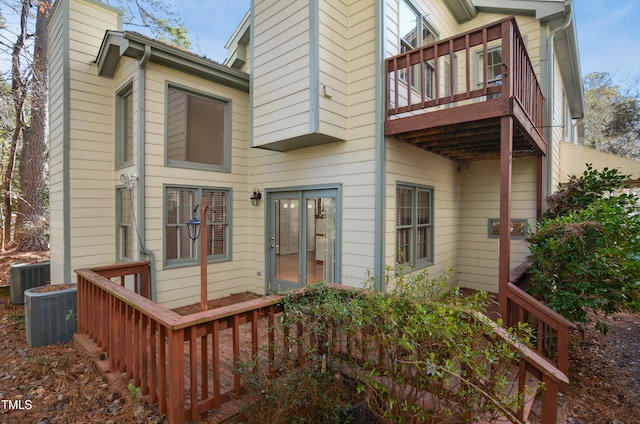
{"points": [[553, 379], [550, 328]]}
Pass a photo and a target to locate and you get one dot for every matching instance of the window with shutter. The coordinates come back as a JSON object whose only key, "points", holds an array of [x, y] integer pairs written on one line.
{"points": [[180, 206]]}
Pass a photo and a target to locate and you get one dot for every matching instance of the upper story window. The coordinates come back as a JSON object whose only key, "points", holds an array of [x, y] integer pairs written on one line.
{"points": [[413, 27], [124, 126], [125, 235], [414, 226], [198, 130], [180, 204], [494, 67], [415, 31]]}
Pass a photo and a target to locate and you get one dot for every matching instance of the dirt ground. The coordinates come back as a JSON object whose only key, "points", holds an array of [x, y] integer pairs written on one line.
{"points": [[55, 384]]}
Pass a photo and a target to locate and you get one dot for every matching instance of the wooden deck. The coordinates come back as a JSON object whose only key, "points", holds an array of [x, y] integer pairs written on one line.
{"points": [[227, 364], [187, 365]]}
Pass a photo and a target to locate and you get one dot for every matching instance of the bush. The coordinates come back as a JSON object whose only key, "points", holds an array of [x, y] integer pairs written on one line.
{"points": [[434, 349], [416, 351], [586, 251]]}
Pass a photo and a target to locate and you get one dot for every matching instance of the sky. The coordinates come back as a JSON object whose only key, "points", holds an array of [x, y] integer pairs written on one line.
{"points": [[608, 32]]}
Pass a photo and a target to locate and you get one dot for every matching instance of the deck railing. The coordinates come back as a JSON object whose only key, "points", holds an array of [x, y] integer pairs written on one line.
{"points": [[163, 352], [178, 362], [551, 329], [458, 70]]}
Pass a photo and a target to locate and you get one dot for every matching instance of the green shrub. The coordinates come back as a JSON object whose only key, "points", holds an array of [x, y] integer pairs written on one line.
{"points": [[416, 351], [587, 257]]}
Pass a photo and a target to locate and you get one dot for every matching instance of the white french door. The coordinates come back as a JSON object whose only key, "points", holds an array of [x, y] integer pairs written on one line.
{"points": [[302, 238]]}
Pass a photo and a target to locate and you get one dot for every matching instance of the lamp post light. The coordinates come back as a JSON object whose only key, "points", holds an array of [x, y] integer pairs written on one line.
{"points": [[193, 226]]}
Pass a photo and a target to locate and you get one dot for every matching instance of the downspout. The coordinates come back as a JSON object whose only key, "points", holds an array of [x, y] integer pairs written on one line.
{"points": [[381, 152], [141, 152], [549, 103]]}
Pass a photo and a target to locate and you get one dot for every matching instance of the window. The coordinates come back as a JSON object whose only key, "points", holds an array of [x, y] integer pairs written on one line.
{"points": [[198, 132], [124, 126], [125, 237], [414, 226], [518, 229], [414, 32], [180, 205], [494, 67]]}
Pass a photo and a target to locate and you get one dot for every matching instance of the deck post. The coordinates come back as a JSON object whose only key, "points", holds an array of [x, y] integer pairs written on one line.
{"points": [[175, 405], [204, 304], [506, 153]]}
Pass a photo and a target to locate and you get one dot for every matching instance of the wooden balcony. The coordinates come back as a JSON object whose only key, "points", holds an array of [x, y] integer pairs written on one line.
{"points": [[450, 97]]}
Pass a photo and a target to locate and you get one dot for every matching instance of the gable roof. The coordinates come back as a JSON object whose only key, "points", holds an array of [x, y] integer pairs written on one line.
{"points": [[118, 44]]}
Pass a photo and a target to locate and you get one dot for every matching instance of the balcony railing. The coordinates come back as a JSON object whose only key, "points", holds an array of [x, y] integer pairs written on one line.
{"points": [[485, 64], [187, 365]]}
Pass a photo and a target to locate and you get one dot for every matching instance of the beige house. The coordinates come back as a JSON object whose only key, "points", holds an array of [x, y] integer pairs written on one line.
{"points": [[400, 134]]}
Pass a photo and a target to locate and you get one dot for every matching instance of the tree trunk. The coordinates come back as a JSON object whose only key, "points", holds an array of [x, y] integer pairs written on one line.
{"points": [[18, 89], [31, 223]]}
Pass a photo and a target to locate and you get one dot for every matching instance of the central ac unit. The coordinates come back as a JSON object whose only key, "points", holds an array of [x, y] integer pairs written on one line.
{"points": [[50, 314], [27, 276]]}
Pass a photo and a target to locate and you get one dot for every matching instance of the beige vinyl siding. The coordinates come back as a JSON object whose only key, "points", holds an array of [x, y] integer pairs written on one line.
{"points": [[408, 164], [333, 70], [91, 159], [480, 200], [350, 164], [181, 285], [281, 53]]}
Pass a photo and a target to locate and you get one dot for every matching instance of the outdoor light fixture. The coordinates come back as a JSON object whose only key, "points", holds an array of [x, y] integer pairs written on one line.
{"points": [[255, 197], [193, 226]]}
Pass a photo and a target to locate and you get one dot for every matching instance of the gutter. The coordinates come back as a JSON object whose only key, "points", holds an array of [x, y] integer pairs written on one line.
{"points": [[141, 152]]}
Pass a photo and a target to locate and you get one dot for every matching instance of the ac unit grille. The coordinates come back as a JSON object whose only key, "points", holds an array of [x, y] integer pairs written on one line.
{"points": [[27, 276], [50, 317]]}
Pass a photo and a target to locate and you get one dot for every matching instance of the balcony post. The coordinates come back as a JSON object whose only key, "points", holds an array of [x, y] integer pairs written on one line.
{"points": [[506, 153], [508, 68]]}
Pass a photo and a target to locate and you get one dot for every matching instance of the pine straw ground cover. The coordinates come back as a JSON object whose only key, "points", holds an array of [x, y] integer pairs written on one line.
{"points": [[63, 386]]}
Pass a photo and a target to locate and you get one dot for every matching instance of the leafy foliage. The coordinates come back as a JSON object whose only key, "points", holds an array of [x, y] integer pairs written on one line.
{"points": [[586, 251], [163, 22], [417, 341], [582, 191]]}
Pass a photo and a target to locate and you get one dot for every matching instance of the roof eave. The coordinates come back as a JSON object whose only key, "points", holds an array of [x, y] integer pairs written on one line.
{"points": [[237, 44], [116, 45], [568, 58], [462, 10]]}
